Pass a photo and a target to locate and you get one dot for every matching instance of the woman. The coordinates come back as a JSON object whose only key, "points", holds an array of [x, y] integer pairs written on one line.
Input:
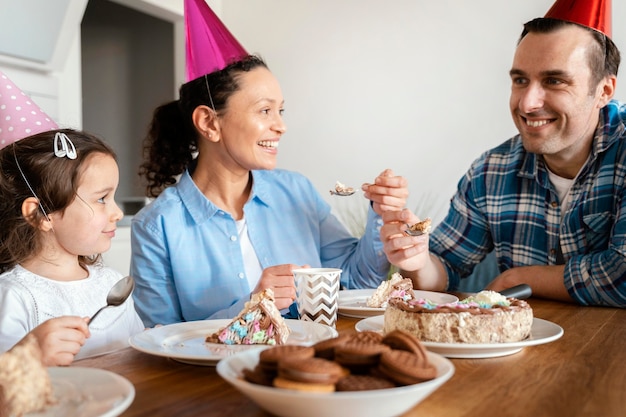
{"points": [[226, 223]]}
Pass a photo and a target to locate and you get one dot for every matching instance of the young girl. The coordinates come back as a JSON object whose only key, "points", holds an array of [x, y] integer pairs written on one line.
{"points": [[57, 215]]}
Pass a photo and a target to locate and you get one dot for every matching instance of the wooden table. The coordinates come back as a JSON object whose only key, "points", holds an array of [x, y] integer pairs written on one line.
{"points": [[581, 374]]}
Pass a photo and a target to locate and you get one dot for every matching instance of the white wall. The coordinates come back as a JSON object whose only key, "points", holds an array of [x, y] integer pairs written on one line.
{"points": [[414, 85], [418, 86]]}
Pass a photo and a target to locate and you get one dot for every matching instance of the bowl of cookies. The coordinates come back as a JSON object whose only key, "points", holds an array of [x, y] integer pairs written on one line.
{"points": [[364, 374]]}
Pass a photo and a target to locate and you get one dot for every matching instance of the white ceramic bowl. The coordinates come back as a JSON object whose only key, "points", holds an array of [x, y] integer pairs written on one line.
{"points": [[374, 403]]}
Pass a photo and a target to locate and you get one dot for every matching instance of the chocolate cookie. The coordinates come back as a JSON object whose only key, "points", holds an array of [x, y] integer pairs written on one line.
{"points": [[361, 351], [405, 368], [258, 376], [269, 358], [366, 337], [363, 383], [401, 340], [302, 386], [310, 374], [326, 348], [311, 370]]}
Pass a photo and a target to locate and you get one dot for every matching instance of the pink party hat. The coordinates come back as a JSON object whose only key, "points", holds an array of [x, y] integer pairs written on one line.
{"points": [[19, 115], [210, 46], [595, 14]]}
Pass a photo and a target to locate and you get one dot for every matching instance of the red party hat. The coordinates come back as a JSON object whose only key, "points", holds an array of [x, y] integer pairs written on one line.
{"points": [[595, 14], [210, 46], [19, 115]]}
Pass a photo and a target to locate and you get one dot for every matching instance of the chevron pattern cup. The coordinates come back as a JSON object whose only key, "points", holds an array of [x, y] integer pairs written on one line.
{"points": [[317, 294]]}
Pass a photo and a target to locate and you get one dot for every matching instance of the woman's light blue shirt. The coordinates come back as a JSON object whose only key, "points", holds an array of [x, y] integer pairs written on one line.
{"points": [[187, 260]]}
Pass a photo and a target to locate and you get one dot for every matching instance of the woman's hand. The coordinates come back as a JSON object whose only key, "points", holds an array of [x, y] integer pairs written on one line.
{"points": [[388, 192], [280, 279]]}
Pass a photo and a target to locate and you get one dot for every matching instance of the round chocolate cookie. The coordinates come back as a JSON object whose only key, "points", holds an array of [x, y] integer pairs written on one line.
{"points": [[269, 358], [401, 340], [405, 368], [302, 386], [326, 348], [311, 370], [361, 351], [363, 383], [258, 376], [366, 337]]}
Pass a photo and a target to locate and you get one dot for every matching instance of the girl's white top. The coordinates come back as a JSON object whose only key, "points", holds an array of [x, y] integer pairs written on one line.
{"points": [[27, 300]]}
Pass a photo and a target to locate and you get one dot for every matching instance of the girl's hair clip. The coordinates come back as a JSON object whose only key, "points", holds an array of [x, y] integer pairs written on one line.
{"points": [[63, 146]]}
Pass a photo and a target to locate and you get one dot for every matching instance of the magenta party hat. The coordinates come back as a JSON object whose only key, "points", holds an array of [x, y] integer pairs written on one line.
{"points": [[595, 14], [210, 46], [19, 115]]}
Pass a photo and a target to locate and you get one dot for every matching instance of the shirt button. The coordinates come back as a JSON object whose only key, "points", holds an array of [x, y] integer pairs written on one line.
{"points": [[552, 251], [379, 221], [554, 204], [233, 238], [241, 275]]}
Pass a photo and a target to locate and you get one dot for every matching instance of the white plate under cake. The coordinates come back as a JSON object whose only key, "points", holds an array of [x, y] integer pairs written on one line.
{"points": [[353, 303], [542, 331], [186, 342]]}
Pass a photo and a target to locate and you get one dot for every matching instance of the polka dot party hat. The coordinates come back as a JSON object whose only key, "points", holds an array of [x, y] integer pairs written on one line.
{"points": [[19, 115]]}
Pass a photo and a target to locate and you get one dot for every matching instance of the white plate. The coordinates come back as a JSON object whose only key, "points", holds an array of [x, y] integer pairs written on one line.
{"points": [[374, 403], [542, 331], [353, 303], [87, 392], [185, 342]]}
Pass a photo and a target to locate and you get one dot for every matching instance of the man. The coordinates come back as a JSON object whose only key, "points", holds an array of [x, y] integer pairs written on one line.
{"points": [[551, 201]]}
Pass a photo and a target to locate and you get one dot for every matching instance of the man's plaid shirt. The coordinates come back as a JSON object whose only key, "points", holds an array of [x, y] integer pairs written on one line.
{"points": [[506, 202]]}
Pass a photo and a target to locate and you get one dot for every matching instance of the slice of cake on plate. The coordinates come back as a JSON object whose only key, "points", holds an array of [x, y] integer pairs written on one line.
{"points": [[25, 385], [394, 287], [259, 323], [487, 317]]}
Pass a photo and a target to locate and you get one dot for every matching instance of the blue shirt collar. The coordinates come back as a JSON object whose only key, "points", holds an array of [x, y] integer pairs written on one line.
{"points": [[201, 208]]}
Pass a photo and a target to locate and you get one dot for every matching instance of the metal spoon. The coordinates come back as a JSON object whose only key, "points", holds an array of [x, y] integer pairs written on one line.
{"points": [[409, 228], [342, 190], [343, 193], [410, 232], [118, 294]]}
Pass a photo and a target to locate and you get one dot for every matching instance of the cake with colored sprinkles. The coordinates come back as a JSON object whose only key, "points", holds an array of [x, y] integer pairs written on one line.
{"points": [[487, 317], [394, 287], [259, 323]]}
